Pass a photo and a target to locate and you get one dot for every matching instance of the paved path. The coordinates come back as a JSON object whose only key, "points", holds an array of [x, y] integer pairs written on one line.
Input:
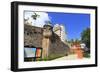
{"points": [[67, 57]]}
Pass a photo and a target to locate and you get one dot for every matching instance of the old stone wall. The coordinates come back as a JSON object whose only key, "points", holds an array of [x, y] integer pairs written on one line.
{"points": [[33, 36], [57, 48]]}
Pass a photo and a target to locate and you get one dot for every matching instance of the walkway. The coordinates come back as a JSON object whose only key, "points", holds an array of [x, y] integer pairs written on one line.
{"points": [[69, 57]]}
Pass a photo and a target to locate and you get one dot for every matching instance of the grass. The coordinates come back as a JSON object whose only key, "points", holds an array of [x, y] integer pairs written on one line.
{"points": [[87, 55], [51, 57]]}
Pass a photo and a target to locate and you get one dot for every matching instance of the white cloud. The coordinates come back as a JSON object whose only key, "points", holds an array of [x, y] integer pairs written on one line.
{"points": [[40, 21]]}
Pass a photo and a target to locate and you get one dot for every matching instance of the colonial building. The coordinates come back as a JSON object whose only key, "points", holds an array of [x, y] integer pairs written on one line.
{"points": [[76, 49], [60, 31]]}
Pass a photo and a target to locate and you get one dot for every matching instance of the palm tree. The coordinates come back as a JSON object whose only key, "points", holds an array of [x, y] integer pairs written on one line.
{"points": [[35, 16]]}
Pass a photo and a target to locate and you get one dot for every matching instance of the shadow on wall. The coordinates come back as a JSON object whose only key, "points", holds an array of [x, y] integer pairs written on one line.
{"points": [[57, 47]]}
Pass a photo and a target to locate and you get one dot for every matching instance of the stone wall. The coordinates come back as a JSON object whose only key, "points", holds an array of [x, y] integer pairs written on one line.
{"points": [[57, 48], [33, 36]]}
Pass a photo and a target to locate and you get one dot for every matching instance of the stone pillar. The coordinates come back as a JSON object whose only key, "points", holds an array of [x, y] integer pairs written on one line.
{"points": [[45, 45], [47, 33]]}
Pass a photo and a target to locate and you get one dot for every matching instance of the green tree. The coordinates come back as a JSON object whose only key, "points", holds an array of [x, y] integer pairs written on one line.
{"points": [[77, 41], [85, 37], [35, 16]]}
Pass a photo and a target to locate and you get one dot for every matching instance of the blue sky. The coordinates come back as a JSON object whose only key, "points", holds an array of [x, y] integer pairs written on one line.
{"points": [[74, 23]]}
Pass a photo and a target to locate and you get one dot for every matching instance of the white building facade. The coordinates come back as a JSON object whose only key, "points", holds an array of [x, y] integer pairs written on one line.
{"points": [[59, 29]]}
